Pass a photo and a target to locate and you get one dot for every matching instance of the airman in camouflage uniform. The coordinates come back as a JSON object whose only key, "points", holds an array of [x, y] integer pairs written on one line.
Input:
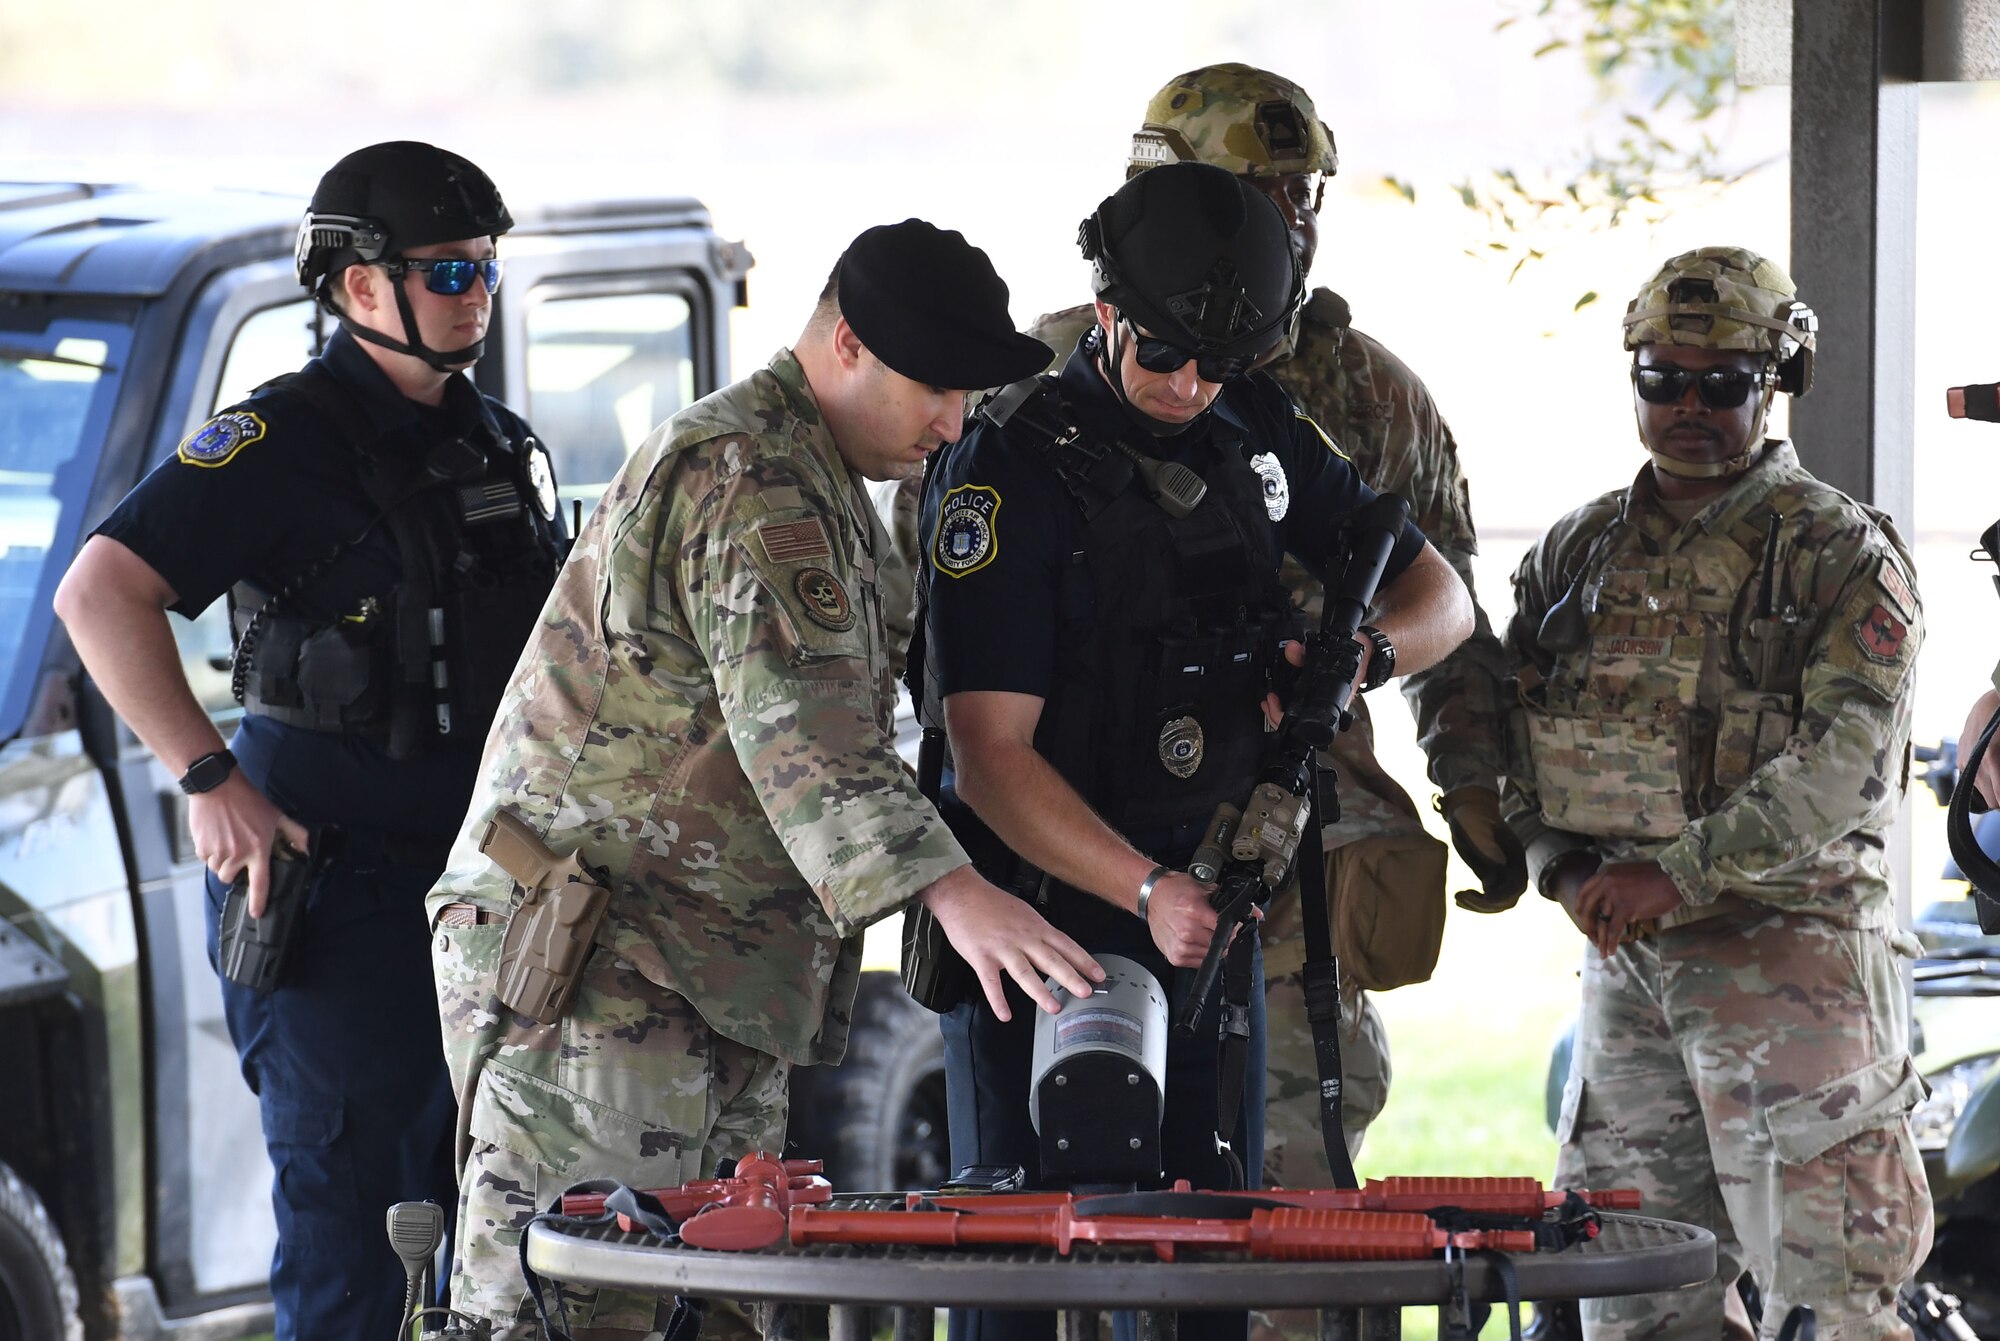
{"points": [[704, 714], [1264, 128], [1713, 672]]}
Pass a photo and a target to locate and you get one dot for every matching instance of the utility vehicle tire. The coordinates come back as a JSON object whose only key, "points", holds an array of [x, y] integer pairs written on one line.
{"points": [[878, 1119], [38, 1296]]}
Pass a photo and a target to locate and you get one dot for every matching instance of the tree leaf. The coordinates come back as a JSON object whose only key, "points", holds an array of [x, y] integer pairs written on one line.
{"points": [[1585, 301]]}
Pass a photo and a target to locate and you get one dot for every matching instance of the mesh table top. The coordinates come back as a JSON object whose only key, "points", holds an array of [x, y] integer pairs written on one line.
{"points": [[1633, 1254]]}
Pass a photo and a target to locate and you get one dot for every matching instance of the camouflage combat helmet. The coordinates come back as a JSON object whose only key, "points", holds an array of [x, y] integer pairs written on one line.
{"points": [[1239, 118], [1727, 298]]}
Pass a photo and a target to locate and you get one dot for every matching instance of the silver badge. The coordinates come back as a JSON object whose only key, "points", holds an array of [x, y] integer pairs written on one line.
{"points": [[542, 477], [1180, 746], [1277, 489]]}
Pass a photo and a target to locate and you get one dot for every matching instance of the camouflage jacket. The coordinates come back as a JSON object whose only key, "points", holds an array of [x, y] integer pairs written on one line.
{"points": [[705, 710], [1386, 423], [1727, 697]]}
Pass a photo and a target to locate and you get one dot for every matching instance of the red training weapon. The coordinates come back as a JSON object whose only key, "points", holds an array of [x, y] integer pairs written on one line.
{"points": [[1484, 1196], [740, 1212], [1287, 1234]]}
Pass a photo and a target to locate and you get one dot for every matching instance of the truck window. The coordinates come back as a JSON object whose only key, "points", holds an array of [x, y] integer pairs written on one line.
{"points": [[59, 374], [270, 341], [603, 371]]}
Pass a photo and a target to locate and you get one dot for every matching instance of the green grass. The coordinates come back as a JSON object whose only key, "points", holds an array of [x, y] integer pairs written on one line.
{"points": [[1469, 1052]]}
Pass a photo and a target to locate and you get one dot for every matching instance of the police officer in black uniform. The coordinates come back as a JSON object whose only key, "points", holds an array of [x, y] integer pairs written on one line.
{"points": [[386, 536], [1103, 614]]}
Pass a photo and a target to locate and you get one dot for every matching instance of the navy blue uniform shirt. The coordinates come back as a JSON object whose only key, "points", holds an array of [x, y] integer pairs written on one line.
{"points": [[263, 497]]}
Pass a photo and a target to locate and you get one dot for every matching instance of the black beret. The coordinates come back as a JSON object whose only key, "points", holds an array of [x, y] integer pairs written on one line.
{"points": [[928, 304]]}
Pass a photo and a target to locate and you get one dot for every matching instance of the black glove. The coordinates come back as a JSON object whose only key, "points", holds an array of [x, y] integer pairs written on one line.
{"points": [[1488, 846]]}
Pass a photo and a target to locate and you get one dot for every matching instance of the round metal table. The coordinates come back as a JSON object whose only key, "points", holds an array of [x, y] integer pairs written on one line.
{"points": [[1633, 1254]]}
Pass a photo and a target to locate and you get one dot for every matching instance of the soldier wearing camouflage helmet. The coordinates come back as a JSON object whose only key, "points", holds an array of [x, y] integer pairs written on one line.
{"points": [[703, 715], [1712, 677]]}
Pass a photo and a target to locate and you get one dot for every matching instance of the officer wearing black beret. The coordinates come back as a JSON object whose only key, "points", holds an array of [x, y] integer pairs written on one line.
{"points": [[385, 536], [1102, 550]]}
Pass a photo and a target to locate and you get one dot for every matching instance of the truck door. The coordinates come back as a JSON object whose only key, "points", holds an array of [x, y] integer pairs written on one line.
{"points": [[603, 335], [213, 1230]]}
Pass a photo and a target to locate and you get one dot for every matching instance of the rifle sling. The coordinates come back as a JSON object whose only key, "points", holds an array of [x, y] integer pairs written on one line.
{"points": [[1322, 988]]}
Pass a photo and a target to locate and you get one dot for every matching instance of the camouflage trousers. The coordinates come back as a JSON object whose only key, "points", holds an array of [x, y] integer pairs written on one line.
{"points": [[1750, 1073], [631, 1084], [1294, 1150]]}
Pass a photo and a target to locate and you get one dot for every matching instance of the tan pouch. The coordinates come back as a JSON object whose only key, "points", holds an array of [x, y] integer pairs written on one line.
{"points": [[1611, 777], [1751, 732], [1388, 910], [551, 928]]}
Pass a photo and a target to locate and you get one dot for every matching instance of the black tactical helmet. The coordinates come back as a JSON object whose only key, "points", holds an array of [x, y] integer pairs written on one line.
{"points": [[1198, 257], [378, 202]]}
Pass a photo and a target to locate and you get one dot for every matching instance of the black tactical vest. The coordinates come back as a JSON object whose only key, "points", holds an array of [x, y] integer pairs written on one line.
{"points": [[1169, 630], [430, 657]]}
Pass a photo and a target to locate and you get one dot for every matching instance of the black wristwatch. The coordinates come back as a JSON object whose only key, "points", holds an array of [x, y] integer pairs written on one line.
{"points": [[1382, 664], [208, 772]]}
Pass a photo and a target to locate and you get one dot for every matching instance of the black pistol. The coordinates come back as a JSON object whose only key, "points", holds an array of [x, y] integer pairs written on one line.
{"points": [[250, 950]]}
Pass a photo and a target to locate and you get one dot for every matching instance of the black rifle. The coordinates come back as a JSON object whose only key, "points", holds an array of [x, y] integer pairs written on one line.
{"points": [[1250, 853]]}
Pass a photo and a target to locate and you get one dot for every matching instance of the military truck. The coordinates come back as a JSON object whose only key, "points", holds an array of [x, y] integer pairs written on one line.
{"points": [[134, 1191]]}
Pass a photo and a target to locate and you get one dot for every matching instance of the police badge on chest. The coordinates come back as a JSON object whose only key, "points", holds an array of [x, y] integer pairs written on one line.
{"points": [[1277, 488], [1181, 746]]}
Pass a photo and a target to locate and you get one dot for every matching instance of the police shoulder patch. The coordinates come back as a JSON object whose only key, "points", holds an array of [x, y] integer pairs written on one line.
{"points": [[217, 442], [968, 536]]}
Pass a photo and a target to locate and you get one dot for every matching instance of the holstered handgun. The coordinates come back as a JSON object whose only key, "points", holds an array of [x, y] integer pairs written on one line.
{"points": [[550, 933], [251, 951], [933, 973]]}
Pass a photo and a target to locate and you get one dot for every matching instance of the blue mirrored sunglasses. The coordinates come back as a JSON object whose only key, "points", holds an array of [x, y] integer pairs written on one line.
{"points": [[450, 276]]}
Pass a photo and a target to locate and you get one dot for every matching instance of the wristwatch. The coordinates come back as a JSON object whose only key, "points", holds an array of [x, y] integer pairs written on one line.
{"points": [[208, 772], [1382, 664]]}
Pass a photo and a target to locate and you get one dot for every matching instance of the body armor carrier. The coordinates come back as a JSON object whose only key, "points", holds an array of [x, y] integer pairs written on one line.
{"points": [[430, 657], [1170, 627], [1635, 732]]}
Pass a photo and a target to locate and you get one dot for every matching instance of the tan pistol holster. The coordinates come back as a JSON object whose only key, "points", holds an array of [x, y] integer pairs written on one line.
{"points": [[552, 927]]}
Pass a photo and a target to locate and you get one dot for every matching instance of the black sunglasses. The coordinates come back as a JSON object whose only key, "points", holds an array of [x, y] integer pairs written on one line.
{"points": [[1719, 388], [1161, 356], [447, 276]]}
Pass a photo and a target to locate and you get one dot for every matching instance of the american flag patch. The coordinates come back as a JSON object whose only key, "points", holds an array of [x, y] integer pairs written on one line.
{"points": [[788, 542]]}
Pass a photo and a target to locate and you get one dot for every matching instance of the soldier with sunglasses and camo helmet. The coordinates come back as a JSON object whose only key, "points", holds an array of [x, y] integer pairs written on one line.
{"points": [[1712, 669], [385, 535]]}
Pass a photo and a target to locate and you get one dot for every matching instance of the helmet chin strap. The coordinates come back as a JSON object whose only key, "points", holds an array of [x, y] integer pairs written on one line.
{"points": [[1701, 470], [1111, 362], [1715, 470], [443, 361]]}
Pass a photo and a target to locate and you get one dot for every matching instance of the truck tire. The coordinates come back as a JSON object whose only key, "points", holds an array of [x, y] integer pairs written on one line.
{"points": [[38, 1295], [878, 1119]]}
